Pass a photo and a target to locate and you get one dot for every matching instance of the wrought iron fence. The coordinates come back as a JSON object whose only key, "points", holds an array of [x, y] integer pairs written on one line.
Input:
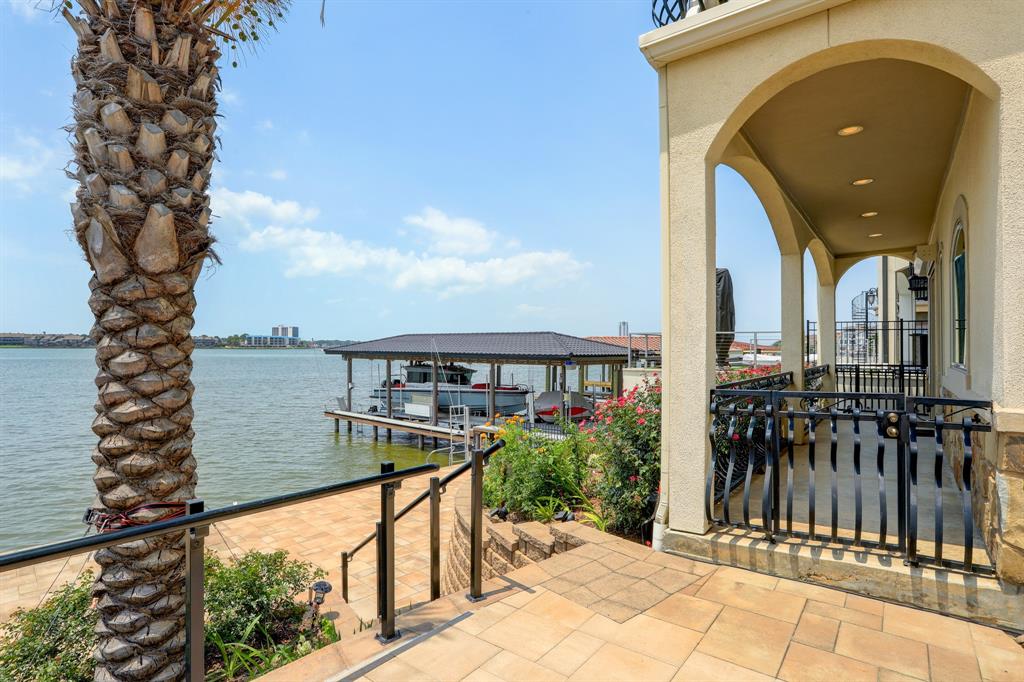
{"points": [[905, 379], [664, 12], [899, 342], [766, 422], [750, 453]]}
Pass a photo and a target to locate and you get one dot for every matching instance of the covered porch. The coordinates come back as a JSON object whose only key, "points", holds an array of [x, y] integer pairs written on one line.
{"points": [[864, 130]]}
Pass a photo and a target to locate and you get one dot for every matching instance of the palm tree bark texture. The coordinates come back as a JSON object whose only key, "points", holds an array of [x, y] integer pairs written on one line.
{"points": [[143, 141]]}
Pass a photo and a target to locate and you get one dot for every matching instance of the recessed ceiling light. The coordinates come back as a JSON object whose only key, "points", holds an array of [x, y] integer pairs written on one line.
{"points": [[876, 234], [862, 181], [869, 214], [849, 130]]}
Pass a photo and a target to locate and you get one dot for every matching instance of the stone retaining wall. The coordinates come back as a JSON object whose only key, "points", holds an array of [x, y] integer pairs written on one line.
{"points": [[997, 492], [506, 545]]}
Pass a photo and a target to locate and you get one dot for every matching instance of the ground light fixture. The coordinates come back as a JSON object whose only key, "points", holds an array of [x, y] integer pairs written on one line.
{"points": [[869, 214], [860, 182], [849, 130], [320, 589], [874, 235]]}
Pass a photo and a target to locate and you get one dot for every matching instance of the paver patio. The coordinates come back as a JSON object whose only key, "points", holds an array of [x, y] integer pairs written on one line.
{"points": [[619, 611]]}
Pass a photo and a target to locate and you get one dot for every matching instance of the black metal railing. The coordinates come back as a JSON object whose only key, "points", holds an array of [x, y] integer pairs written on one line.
{"points": [[197, 522], [814, 376], [750, 454], [908, 380], [867, 342], [437, 486], [768, 423], [664, 12]]}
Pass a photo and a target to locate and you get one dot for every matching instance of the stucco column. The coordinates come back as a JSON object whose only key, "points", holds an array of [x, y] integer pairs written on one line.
{"points": [[827, 333], [689, 326], [793, 317]]}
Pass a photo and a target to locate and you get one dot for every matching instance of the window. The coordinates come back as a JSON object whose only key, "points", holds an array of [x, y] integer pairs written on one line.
{"points": [[959, 279]]}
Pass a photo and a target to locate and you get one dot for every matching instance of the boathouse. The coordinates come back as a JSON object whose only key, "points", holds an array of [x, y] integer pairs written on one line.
{"points": [[558, 353]]}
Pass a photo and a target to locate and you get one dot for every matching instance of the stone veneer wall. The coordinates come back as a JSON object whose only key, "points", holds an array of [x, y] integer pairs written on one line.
{"points": [[997, 493], [506, 546]]}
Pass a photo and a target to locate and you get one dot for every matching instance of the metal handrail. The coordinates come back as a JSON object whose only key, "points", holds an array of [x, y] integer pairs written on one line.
{"points": [[57, 550], [440, 486], [198, 521]]}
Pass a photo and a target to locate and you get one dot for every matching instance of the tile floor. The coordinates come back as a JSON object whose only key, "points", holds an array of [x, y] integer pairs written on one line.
{"points": [[617, 611]]}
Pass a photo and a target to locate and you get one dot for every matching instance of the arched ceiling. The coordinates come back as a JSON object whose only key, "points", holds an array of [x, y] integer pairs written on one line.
{"points": [[911, 115]]}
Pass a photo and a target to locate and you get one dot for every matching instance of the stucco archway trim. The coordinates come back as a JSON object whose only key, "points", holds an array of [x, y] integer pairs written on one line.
{"points": [[772, 199], [919, 52]]}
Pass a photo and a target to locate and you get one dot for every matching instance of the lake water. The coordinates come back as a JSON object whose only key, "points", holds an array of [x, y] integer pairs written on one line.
{"points": [[259, 426]]}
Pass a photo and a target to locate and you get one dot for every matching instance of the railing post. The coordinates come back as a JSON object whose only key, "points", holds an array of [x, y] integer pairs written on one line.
{"points": [[755, 349], [194, 596], [386, 558], [435, 538], [344, 577], [476, 553]]}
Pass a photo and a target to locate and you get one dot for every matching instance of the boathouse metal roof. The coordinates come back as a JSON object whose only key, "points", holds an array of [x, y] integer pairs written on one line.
{"points": [[500, 347]]}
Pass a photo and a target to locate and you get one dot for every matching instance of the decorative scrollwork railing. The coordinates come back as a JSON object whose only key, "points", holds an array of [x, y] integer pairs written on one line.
{"points": [[753, 433], [728, 428], [664, 12]]}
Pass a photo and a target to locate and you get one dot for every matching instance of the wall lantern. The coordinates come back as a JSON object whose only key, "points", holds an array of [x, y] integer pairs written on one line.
{"points": [[919, 285]]}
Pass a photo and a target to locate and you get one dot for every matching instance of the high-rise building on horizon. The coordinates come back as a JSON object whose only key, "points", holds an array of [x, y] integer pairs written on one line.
{"points": [[285, 330]]}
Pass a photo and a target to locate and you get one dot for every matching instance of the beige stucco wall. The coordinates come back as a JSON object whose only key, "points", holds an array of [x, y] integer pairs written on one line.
{"points": [[706, 97], [635, 376], [973, 180]]}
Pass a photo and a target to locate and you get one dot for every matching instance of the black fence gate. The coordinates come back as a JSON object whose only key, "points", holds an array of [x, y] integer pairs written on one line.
{"points": [[754, 446]]}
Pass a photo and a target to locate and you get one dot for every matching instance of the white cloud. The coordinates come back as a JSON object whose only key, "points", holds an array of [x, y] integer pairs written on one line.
{"points": [[449, 262], [310, 252], [24, 161], [527, 309], [248, 207], [228, 96], [454, 236], [265, 125], [278, 174]]}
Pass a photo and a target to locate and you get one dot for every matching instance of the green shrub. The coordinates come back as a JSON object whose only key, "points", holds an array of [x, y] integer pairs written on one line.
{"points": [[54, 641], [627, 434], [534, 476], [252, 623], [257, 589]]}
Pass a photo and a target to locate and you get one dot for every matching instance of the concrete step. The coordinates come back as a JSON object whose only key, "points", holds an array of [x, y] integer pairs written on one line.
{"points": [[536, 540]]}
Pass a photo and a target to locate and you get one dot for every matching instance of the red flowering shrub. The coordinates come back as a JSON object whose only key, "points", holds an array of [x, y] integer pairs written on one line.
{"points": [[627, 434]]}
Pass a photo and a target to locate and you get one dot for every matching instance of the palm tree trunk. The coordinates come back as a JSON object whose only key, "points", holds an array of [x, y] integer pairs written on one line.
{"points": [[143, 144]]}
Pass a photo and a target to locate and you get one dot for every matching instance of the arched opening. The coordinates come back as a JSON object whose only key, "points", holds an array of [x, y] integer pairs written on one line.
{"points": [[745, 246], [850, 153], [854, 154]]}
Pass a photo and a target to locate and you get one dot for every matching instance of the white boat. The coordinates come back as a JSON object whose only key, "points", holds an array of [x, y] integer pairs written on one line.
{"points": [[548, 406], [412, 392]]}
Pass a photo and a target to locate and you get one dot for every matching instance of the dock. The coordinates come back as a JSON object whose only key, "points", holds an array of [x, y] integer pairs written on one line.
{"points": [[443, 430], [430, 418]]}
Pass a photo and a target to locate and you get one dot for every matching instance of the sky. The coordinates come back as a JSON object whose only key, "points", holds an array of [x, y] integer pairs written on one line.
{"points": [[409, 167]]}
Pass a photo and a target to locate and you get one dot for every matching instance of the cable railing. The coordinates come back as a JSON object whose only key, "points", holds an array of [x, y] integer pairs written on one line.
{"points": [[197, 521]]}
